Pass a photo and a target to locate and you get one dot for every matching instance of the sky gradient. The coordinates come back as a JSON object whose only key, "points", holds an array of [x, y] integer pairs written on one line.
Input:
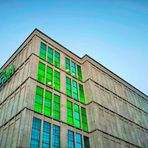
{"points": [[113, 32]]}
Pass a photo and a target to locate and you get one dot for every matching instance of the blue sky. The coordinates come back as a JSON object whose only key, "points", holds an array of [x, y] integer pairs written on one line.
{"points": [[113, 32]]}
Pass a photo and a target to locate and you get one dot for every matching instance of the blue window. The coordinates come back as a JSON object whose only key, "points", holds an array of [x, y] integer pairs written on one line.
{"points": [[78, 141], [56, 137], [73, 69], [71, 139], [35, 136], [46, 135], [86, 142]]}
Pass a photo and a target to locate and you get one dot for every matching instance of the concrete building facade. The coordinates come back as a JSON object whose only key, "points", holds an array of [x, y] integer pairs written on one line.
{"points": [[56, 99]]}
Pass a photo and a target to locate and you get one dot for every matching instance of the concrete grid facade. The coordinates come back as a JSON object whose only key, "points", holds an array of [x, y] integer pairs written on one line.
{"points": [[116, 112]]}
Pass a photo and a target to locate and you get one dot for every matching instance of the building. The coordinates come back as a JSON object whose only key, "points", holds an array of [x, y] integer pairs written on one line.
{"points": [[50, 97]]}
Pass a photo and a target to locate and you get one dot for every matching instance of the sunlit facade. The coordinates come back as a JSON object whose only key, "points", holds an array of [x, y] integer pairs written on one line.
{"points": [[56, 99]]}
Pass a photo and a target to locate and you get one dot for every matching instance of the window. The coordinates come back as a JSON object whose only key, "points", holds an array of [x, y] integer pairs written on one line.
{"points": [[71, 143], [46, 135], [86, 142], [77, 116], [75, 90], [49, 73], [35, 136], [50, 55], [84, 119], [78, 141], [38, 99], [81, 93], [67, 65], [68, 87], [56, 80], [41, 72], [48, 103], [73, 69], [79, 72], [43, 51], [56, 137], [57, 59], [56, 107], [69, 112]]}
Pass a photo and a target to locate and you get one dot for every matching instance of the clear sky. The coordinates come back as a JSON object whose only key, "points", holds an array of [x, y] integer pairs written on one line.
{"points": [[113, 32]]}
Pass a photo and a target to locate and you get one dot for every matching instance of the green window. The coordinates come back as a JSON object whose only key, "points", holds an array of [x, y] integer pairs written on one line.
{"points": [[41, 72], [69, 112], [84, 119], [75, 90], [48, 103], [50, 55], [57, 59], [77, 116], [49, 73], [81, 93], [67, 65], [68, 87], [79, 72], [56, 107], [73, 69], [43, 51], [57, 80], [38, 99]]}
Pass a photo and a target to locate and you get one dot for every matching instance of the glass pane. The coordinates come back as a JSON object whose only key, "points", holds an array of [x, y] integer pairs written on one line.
{"points": [[46, 135], [38, 99], [81, 93], [73, 69], [57, 59], [77, 116], [78, 140], [56, 137], [84, 119], [35, 136], [79, 72], [49, 72], [75, 90], [41, 72], [71, 139], [43, 51], [50, 55], [56, 107], [57, 80], [86, 142], [69, 113], [68, 87], [67, 65]]}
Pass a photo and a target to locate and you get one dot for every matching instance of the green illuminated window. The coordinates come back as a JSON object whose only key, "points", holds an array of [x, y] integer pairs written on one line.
{"points": [[77, 116], [81, 93], [79, 72], [69, 112], [56, 107], [68, 87], [48, 103], [57, 59], [75, 90], [38, 99], [73, 69], [67, 65], [56, 80], [43, 51], [49, 73], [50, 55], [41, 72], [84, 119]]}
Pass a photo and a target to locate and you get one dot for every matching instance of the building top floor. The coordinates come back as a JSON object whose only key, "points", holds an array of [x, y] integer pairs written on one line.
{"points": [[81, 60]]}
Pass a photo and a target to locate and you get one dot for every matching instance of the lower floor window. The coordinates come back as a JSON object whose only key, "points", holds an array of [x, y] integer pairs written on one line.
{"points": [[46, 134], [76, 140]]}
